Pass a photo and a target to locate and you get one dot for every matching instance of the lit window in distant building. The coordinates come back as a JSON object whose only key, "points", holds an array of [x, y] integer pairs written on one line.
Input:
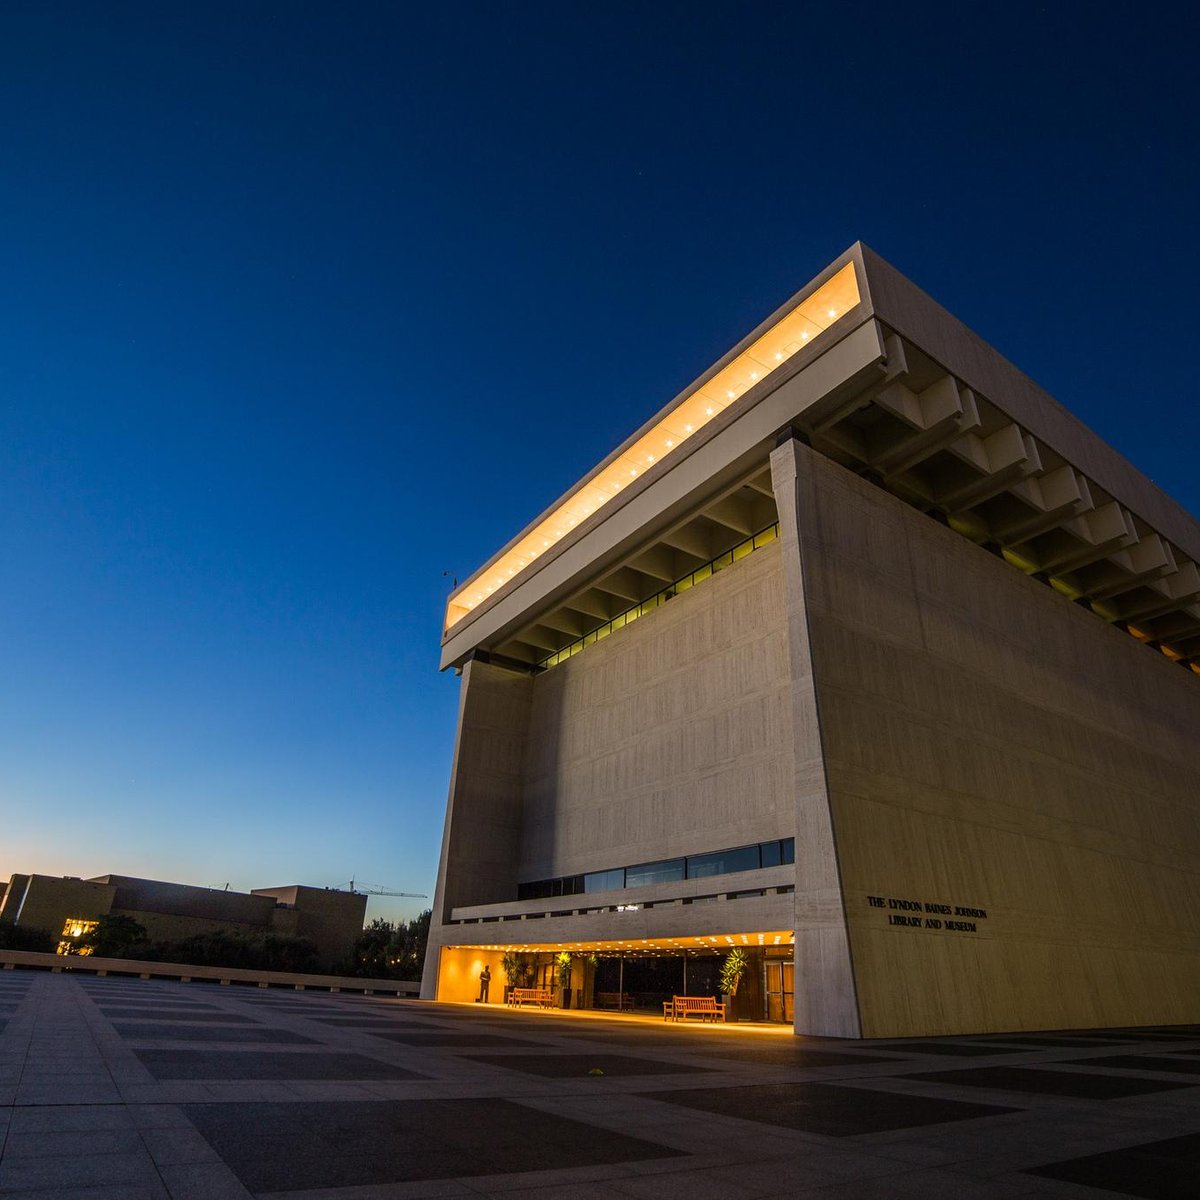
{"points": [[73, 929]]}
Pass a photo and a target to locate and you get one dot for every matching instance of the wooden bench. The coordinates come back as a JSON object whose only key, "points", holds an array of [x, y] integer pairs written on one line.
{"points": [[621, 1001], [679, 1008], [543, 997]]}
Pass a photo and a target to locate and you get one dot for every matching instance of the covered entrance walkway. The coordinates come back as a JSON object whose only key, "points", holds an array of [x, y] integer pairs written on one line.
{"points": [[627, 977]]}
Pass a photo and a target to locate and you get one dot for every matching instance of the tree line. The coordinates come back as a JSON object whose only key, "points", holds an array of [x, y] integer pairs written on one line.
{"points": [[382, 951]]}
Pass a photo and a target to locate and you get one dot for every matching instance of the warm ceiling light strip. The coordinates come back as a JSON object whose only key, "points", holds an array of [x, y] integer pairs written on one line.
{"points": [[812, 316]]}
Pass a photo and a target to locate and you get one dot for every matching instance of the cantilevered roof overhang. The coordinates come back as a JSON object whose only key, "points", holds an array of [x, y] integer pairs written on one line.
{"points": [[876, 375]]}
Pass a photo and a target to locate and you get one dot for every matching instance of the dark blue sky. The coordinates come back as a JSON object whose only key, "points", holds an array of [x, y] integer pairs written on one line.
{"points": [[303, 304]]}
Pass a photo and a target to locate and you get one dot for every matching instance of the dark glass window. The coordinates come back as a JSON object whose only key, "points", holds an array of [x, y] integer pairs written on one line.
{"points": [[644, 874], [697, 866], [604, 881], [722, 862]]}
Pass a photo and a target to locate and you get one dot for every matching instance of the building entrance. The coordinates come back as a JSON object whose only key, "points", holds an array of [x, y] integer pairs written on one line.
{"points": [[780, 990]]}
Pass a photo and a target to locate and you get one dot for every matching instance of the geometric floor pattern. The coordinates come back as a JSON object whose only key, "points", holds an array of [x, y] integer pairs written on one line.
{"points": [[125, 1089]]}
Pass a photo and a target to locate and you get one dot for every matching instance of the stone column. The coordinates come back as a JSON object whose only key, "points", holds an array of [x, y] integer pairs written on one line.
{"points": [[825, 997], [481, 839]]}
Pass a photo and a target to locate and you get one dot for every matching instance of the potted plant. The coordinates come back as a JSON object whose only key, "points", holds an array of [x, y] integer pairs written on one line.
{"points": [[733, 971], [562, 961], [511, 965]]}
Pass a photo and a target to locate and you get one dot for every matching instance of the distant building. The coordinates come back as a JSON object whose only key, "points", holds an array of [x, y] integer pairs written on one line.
{"points": [[69, 908], [864, 656]]}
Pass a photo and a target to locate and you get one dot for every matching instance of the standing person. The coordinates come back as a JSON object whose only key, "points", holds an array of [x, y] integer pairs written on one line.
{"points": [[485, 978]]}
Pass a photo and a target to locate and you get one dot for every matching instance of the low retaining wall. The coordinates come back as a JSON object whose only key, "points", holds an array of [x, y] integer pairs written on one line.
{"points": [[89, 964]]}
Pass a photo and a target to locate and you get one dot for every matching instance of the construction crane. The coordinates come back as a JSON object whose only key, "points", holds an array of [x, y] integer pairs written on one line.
{"points": [[370, 891]]}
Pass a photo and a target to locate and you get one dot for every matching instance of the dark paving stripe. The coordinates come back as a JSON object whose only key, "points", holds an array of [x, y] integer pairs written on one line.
{"points": [[286, 1147], [1145, 1062], [1165, 1170], [797, 1058], [570, 1066], [827, 1108], [373, 1023], [167, 1014], [449, 1039], [163, 1005], [1032, 1043], [959, 1049], [210, 1033], [1055, 1083], [266, 1065]]}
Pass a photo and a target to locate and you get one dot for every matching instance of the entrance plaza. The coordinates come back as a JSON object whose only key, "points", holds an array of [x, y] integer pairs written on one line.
{"points": [[126, 1089]]}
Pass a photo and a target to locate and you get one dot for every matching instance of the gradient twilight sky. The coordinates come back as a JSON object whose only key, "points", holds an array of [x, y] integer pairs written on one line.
{"points": [[303, 304]]}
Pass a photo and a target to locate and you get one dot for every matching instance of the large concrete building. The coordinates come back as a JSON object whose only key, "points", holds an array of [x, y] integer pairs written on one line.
{"points": [[68, 908], [863, 655]]}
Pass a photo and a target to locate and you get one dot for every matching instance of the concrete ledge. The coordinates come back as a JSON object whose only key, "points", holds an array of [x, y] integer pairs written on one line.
{"points": [[188, 973]]}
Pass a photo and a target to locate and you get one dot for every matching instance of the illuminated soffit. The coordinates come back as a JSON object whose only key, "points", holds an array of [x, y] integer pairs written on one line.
{"points": [[718, 943], [790, 334]]}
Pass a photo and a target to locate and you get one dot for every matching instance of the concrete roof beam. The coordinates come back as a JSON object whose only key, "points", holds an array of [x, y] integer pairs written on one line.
{"points": [[566, 620], [1083, 540], [1178, 628], [836, 407], [692, 539], [733, 513], [1051, 499], [626, 584], [1006, 456], [940, 414], [762, 485], [659, 563], [1141, 563], [598, 605], [1162, 596], [543, 639]]}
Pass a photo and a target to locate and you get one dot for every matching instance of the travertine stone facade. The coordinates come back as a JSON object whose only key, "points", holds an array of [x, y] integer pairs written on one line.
{"points": [[990, 746], [671, 738]]}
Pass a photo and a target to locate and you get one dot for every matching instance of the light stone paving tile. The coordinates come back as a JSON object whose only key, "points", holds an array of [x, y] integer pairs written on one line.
{"points": [[570, 1191], [176, 1147], [78, 1171], [519, 1183], [122, 1191], [54, 1118], [429, 1189], [924, 1185], [202, 1181], [718, 1183], [81, 1142]]}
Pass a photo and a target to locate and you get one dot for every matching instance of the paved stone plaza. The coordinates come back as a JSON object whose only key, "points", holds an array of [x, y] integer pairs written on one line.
{"points": [[118, 1089]]}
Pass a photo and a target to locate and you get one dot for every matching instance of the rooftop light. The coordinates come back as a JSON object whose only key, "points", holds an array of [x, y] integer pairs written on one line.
{"points": [[809, 318]]}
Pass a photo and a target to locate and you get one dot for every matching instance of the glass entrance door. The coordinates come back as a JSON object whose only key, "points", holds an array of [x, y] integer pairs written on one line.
{"points": [[780, 988]]}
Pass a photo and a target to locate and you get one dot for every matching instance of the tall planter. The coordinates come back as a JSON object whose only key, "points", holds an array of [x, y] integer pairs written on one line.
{"points": [[563, 963], [733, 971]]}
